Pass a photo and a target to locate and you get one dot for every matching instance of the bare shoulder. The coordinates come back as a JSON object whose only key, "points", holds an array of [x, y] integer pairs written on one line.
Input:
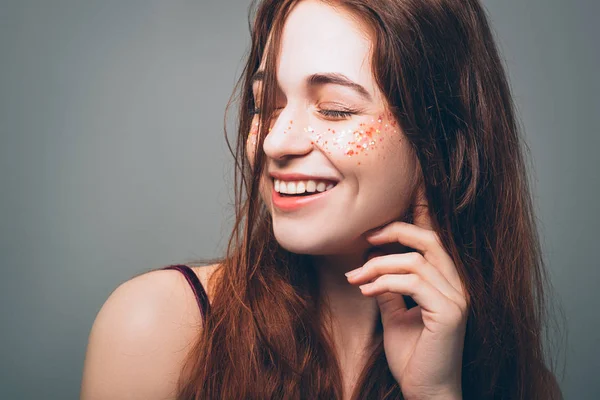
{"points": [[208, 275], [141, 336]]}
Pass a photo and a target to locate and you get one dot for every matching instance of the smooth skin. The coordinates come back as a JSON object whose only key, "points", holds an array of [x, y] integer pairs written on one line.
{"points": [[141, 336]]}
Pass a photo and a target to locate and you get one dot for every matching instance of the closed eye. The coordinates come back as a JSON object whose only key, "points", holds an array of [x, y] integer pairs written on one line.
{"points": [[327, 113], [337, 113]]}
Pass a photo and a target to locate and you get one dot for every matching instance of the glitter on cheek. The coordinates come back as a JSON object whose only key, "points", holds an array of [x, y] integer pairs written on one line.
{"points": [[356, 142], [359, 141], [365, 138]]}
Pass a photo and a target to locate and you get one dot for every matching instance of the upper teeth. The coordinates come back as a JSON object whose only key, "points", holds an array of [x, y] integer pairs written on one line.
{"points": [[298, 187]]}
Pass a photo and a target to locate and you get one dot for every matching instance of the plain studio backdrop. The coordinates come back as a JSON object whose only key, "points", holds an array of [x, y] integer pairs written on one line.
{"points": [[113, 161]]}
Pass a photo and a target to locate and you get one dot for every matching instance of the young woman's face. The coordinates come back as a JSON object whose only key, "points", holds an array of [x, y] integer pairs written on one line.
{"points": [[331, 123]]}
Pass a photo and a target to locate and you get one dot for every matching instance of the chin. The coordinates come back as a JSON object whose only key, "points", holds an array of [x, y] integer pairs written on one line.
{"points": [[316, 243]]}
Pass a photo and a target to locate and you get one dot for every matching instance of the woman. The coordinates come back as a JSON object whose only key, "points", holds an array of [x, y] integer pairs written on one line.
{"points": [[378, 137]]}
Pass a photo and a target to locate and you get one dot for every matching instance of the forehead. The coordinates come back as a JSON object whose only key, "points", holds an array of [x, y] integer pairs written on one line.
{"points": [[319, 38]]}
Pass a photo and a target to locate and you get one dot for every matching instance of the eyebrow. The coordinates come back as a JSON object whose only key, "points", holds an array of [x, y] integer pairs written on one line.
{"points": [[324, 78]]}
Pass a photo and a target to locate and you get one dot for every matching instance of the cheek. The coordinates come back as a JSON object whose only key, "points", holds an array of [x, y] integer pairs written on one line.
{"points": [[264, 187], [361, 142], [251, 143]]}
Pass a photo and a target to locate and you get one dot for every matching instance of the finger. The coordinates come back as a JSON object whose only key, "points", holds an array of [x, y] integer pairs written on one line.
{"points": [[411, 235], [390, 302], [423, 240], [407, 263], [428, 297]]}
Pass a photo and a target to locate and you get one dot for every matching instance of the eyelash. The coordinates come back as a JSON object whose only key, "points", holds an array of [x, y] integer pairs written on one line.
{"points": [[337, 113], [327, 113]]}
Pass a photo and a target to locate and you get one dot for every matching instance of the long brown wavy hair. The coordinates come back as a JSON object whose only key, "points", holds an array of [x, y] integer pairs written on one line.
{"points": [[439, 69]]}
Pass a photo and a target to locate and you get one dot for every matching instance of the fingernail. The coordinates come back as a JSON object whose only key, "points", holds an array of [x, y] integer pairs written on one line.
{"points": [[353, 272]]}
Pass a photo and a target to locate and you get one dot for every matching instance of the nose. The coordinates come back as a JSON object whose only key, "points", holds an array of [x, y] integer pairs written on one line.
{"points": [[288, 136]]}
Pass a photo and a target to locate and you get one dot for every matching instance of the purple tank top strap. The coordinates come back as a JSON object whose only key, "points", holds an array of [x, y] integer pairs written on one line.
{"points": [[197, 288]]}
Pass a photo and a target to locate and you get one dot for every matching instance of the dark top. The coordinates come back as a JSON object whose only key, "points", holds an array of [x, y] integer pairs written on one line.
{"points": [[197, 287]]}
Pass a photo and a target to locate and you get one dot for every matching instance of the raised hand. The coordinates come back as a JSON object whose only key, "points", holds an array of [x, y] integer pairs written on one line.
{"points": [[423, 345]]}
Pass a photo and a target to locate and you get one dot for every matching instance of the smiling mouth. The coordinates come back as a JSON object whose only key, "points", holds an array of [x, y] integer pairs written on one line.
{"points": [[288, 202], [305, 193], [302, 188]]}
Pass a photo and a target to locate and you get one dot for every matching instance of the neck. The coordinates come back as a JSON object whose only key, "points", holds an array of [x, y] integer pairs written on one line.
{"points": [[354, 317]]}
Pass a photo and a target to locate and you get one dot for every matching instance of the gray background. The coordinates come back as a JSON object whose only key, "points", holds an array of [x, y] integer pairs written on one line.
{"points": [[112, 161]]}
